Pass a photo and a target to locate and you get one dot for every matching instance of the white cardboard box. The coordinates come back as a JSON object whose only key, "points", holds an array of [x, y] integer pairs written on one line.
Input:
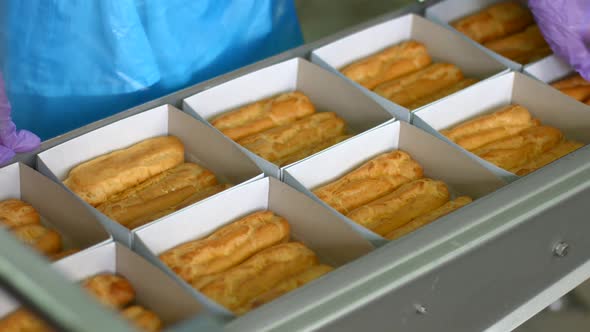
{"points": [[443, 46], [549, 69], [154, 289], [202, 145], [58, 209], [548, 105], [440, 161], [448, 11], [333, 241], [327, 92]]}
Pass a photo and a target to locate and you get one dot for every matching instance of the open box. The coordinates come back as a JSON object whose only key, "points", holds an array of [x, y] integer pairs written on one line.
{"points": [[439, 160], [59, 209], [326, 91], [448, 11], [154, 289], [442, 44], [202, 145], [333, 241], [549, 105]]}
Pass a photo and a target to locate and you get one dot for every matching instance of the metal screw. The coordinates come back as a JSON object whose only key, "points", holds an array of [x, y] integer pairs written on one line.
{"points": [[561, 249], [421, 309]]}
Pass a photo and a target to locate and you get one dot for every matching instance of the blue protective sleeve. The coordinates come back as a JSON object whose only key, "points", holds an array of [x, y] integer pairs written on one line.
{"points": [[70, 62]]}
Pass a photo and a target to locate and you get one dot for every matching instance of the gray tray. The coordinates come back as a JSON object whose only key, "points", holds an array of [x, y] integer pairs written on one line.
{"points": [[490, 266]]}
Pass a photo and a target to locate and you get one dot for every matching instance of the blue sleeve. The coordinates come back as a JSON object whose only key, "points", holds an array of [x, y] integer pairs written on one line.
{"points": [[85, 60]]}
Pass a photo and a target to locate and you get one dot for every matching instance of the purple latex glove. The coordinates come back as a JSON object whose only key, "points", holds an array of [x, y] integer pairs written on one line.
{"points": [[11, 140], [565, 24]]}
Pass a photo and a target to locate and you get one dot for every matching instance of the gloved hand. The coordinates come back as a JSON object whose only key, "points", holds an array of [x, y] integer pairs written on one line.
{"points": [[11, 140], [565, 24]]}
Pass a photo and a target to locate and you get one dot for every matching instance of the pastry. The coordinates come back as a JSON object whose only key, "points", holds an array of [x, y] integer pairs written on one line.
{"points": [[193, 198], [237, 286], [111, 290], [408, 89], [574, 86], [308, 151], [285, 286], [524, 46], [142, 318], [265, 114], [227, 246], [388, 64], [401, 206], [515, 151], [494, 22], [98, 179], [22, 320], [158, 193], [428, 217], [442, 93], [548, 157], [477, 140], [282, 141], [508, 116], [14, 212], [373, 179], [44, 240]]}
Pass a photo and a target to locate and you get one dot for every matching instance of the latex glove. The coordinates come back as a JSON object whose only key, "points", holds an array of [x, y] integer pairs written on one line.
{"points": [[11, 140], [565, 24]]}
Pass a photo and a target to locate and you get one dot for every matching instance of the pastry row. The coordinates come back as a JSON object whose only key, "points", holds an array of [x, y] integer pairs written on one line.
{"points": [[507, 28], [406, 74], [113, 291]]}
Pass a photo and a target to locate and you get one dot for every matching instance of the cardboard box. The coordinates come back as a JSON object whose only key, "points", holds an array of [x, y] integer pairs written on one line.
{"points": [[326, 91], [550, 106], [59, 210], [333, 241], [448, 11], [440, 161], [202, 145], [549, 70], [443, 46], [154, 289]]}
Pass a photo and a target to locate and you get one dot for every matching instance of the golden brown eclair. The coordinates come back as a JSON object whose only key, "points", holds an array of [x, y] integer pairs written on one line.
{"points": [[560, 150], [370, 181], [14, 212], [507, 116], [142, 318], [63, 254], [475, 141], [22, 320], [495, 22], [282, 141], [407, 89], [158, 193], [401, 206], [111, 290], [227, 246], [570, 82], [442, 93], [259, 274], [265, 114], [44, 240], [429, 217], [98, 179], [193, 198], [522, 47], [580, 93], [515, 151], [388, 64], [308, 151], [285, 286]]}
